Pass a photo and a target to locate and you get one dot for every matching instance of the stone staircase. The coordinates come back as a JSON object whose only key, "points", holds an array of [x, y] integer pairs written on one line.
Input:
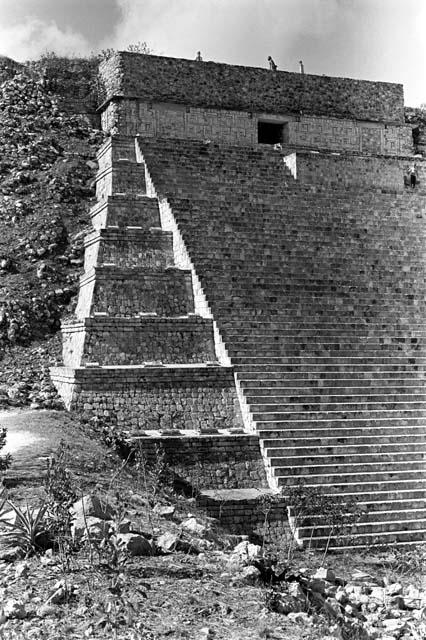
{"points": [[137, 349], [320, 298]]}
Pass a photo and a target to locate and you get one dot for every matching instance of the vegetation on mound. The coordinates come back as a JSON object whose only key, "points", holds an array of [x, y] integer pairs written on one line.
{"points": [[47, 168], [137, 559]]}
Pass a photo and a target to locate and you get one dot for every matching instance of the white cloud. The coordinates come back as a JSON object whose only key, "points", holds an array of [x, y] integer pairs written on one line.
{"points": [[31, 37], [238, 31]]}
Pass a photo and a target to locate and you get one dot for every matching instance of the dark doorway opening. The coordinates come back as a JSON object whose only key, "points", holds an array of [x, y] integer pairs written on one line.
{"points": [[270, 132]]}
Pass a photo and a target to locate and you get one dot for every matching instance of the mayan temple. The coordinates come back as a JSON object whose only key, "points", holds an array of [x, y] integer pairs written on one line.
{"points": [[254, 287]]}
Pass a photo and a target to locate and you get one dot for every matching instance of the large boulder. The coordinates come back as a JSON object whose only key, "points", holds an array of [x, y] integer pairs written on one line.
{"points": [[85, 527], [93, 506], [245, 553], [133, 544]]}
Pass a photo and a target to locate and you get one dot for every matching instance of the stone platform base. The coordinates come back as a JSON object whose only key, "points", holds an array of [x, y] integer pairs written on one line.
{"points": [[249, 511], [195, 397]]}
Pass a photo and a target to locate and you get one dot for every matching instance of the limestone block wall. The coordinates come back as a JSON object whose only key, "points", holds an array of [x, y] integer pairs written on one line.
{"points": [[220, 86], [124, 177], [210, 461], [122, 211], [242, 515], [129, 247], [350, 135], [132, 341], [126, 293], [198, 398], [342, 171], [117, 150], [134, 117]]}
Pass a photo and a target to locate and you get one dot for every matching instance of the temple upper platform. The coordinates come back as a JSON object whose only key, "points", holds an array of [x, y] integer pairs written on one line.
{"points": [[185, 99]]}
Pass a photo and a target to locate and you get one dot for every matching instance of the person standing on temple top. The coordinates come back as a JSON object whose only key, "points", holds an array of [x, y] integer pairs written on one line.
{"points": [[302, 68], [199, 58], [413, 176], [272, 65]]}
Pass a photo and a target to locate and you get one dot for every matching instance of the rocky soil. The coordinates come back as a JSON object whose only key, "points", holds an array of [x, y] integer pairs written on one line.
{"points": [[137, 559], [47, 167]]}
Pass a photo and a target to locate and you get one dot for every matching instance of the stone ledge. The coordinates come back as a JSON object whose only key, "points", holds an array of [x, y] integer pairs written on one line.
{"points": [[144, 374], [113, 272], [107, 323], [126, 233]]}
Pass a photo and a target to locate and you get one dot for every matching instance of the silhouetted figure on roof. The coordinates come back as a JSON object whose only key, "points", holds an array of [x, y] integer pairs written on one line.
{"points": [[413, 177], [198, 57], [302, 68], [272, 65]]}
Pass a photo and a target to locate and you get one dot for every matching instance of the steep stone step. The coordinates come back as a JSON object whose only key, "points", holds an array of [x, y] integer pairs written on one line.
{"points": [[330, 473], [250, 341], [379, 496], [290, 432], [337, 360], [412, 529], [277, 410], [408, 515], [345, 461], [374, 509], [363, 484], [328, 386], [316, 449], [305, 350], [353, 417], [316, 395], [350, 543], [320, 298], [319, 377], [298, 369]]}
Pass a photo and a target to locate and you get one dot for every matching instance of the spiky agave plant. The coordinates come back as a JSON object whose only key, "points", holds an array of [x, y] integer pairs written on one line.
{"points": [[28, 530]]}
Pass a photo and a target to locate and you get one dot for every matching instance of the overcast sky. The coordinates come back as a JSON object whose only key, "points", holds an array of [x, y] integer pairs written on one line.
{"points": [[370, 39]]}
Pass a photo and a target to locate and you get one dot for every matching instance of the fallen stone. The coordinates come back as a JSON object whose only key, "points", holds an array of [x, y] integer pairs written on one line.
{"points": [[394, 589], [378, 594], [295, 590], [300, 617], [287, 604], [138, 500], [46, 610], [341, 595], [133, 544], [83, 528], [413, 598], [393, 624], [167, 543], [333, 607], [58, 593], [22, 570], [247, 576], [164, 510], [318, 586], [192, 526], [9, 554], [92, 506], [14, 609], [245, 553], [323, 573]]}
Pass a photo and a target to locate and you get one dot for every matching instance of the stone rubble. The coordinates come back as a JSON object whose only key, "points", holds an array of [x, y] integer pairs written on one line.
{"points": [[46, 176]]}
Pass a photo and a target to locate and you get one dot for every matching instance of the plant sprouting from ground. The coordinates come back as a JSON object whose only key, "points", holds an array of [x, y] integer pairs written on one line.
{"points": [[311, 507], [5, 461], [61, 492], [28, 527]]}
